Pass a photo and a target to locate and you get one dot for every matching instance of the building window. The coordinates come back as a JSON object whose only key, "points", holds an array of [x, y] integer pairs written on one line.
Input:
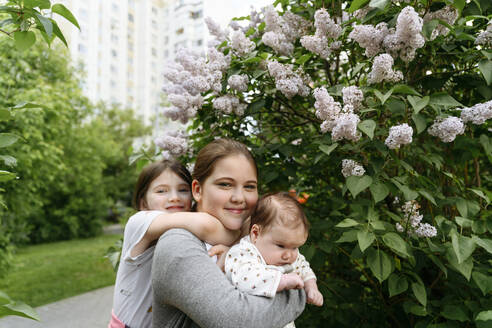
{"points": [[130, 46], [196, 14], [114, 53], [130, 17], [154, 24], [179, 31], [198, 43], [114, 69], [82, 49], [154, 10], [115, 7], [154, 52], [166, 53], [114, 38], [166, 39]]}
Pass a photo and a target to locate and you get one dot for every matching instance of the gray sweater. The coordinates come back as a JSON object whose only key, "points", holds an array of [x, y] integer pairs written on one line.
{"points": [[191, 291]]}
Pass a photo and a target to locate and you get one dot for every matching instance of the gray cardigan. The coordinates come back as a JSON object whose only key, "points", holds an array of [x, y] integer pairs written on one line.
{"points": [[191, 291]]}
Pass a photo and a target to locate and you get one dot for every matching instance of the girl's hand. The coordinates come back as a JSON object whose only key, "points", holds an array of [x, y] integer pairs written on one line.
{"points": [[290, 281], [313, 296], [220, 251]]}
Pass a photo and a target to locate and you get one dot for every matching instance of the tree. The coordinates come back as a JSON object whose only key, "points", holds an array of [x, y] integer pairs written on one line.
{"points": [[379, 110]]}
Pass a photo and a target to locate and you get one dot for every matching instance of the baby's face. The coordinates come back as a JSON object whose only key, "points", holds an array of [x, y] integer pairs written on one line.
{"points": [[279, 244]]}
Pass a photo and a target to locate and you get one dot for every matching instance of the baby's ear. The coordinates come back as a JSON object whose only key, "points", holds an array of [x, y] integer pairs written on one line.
{"points": [[196, 190], [254, 232]]}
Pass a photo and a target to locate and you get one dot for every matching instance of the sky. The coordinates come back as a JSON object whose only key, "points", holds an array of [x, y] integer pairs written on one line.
{"points": [[223, 10]]}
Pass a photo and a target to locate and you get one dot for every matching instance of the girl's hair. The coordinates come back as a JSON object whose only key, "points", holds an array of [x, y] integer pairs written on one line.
{"points": [[150, 173], [215, 151], [281, 208]]}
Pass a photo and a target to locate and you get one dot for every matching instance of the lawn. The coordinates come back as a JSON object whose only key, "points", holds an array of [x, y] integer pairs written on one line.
{"points": [[46, 273]]}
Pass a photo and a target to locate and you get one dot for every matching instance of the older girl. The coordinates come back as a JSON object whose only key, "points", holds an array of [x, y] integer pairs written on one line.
{"points": [[189, 289]]}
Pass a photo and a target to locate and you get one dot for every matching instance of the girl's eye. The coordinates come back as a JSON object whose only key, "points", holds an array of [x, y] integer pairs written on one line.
{"points": [[184, 190], [250, 187], [224, 184]]}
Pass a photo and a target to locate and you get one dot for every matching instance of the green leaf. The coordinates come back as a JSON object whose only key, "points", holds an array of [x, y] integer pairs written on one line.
{"points": [[484, 316], [463, 246], [348, 237], [368, 127], [420, 122], [396, 243], [7, 139], [485, 66], [484, 282], [8, 160], [382, 97], [420, 293], [484, 140], [462, 222], [480, 193], [58, 33], [408, 193], [429, 27], [418, 103], [25, 104], [484, 243], [63, 11], [380, 264], [461, 205], [380, 4], [24, 39], [347, 223], [397, 284], [303, 59], [328, 149], [405, 89], [5, 115], [443, 99], [356, 4], [428, 196], [438, 263], [379, 191], [357, 184], [46, 23], [454, 312], [41, 4], [465, 268], [20, 309], [459, 4], [365, 239], [6, 176]]}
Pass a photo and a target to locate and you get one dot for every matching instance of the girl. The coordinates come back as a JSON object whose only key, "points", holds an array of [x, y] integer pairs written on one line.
{"points": [[162, 190], [189, 289]]}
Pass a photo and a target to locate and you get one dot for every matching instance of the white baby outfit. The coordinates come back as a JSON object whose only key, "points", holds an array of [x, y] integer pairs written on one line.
{"points": [[248, 271]]}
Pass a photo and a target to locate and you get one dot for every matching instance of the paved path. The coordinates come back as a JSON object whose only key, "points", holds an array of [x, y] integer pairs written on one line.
{"points": [[92, 309]]}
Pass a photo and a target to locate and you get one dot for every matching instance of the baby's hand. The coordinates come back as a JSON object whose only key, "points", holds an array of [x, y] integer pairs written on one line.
{"points": [[290, 281], [312, 293]]}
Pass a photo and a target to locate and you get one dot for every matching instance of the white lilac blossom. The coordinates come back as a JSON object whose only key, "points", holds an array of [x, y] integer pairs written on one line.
{"points": [[241, 44], [346, 127], [447, 14], [485, 37], [361, 13], [369, 37], [411, 222], [238, 82], [399, 135], [326, 28], [326, 107], [407, 38], [352, 96], [287, 81], [229, 104], [447, 129], [351, 167], [278, 42], [215, 30], [382, 70], [172, 144], [477, 114]]}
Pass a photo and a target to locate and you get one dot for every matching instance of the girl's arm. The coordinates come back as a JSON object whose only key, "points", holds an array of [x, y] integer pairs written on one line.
{"points": [[203, 225]]}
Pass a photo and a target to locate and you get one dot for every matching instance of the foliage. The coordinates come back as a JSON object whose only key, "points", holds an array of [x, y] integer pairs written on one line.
{"points": [[370, 273]]}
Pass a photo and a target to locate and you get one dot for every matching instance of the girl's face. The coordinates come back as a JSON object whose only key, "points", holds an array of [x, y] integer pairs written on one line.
{"points": [[168, 192], [230, 193]]}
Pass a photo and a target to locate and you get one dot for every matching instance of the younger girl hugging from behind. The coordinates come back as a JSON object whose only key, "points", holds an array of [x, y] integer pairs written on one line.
{"points": [[267, 260], [163, 198]]}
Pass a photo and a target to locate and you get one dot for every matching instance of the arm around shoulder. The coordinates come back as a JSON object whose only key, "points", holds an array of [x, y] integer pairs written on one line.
{"points": [[183, 276]]}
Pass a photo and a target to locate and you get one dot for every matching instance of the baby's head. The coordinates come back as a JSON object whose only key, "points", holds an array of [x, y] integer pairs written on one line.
{"points": [[278, 228], [163, 186]]}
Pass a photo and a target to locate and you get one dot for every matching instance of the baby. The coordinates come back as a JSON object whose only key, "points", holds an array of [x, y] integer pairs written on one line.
{"points": [[268, 260]]}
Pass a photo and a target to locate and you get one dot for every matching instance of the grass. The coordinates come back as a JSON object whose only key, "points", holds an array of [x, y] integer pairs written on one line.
{"points": [[46, 273]]}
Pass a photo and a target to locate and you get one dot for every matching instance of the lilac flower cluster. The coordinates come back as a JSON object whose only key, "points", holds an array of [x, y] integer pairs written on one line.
{"points": [[238, 82], [215, 30], [326, 28], [447, 129], [172, 144], [370, 37], [287, 81], [399, 135], [447, 14], [341, 122], [485, 38], [351, 167], [411, 222], [352, 96], [382, 70], [229, 104], [241, 44], [477, 114], [282, 31], [188, 78]]}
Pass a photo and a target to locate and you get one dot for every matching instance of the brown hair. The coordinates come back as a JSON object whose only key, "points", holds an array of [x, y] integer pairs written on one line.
{"points": [[151, 172], [279, 207], [215, 151]]}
